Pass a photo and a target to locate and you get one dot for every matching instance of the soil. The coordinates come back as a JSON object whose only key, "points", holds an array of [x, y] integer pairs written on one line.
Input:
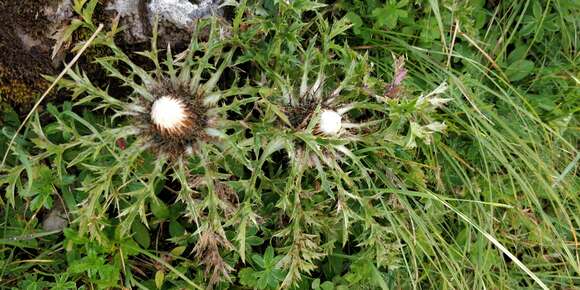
{"points": [[25, 51], [26, 27]]}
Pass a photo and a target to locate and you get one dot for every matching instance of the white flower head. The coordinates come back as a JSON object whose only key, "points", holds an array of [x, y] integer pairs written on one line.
{"points": [[168, 113], [330, 122], [175, 120]]}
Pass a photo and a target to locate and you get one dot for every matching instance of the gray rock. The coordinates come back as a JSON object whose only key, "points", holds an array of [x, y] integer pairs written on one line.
{"points": [[55, 219], [176, 17], [132, 17]]}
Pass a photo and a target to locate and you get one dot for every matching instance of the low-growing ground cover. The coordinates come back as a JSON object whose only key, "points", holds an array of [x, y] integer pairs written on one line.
{"points": [[308, 145]]}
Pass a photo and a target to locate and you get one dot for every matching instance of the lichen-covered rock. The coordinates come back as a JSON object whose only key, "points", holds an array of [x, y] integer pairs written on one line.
{"points": [[181, 13], [133, 15], [176, 18]]}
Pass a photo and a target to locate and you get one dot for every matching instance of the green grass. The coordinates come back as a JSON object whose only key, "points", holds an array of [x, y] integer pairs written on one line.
{"points": [[507, 148], [473, 187]]}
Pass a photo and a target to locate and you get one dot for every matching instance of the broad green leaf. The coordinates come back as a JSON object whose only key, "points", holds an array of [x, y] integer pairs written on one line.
{"points": [[141, 234], [519, 69]]}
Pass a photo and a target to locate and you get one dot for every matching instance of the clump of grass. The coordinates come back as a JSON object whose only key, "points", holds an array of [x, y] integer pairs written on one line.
{"points": [[502, 164]]}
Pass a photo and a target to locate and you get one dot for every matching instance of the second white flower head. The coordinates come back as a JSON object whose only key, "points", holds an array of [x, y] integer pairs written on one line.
{"points": [[330, 122]]}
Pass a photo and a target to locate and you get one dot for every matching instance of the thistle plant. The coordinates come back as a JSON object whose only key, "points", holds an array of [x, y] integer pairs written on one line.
{"points": [[310, 113], [317, 188], [311, 110], [171, 123]]}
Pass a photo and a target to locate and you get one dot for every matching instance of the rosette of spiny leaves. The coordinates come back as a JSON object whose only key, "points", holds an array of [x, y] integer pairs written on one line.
{"points": [[315, 118], [170, 121]]}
